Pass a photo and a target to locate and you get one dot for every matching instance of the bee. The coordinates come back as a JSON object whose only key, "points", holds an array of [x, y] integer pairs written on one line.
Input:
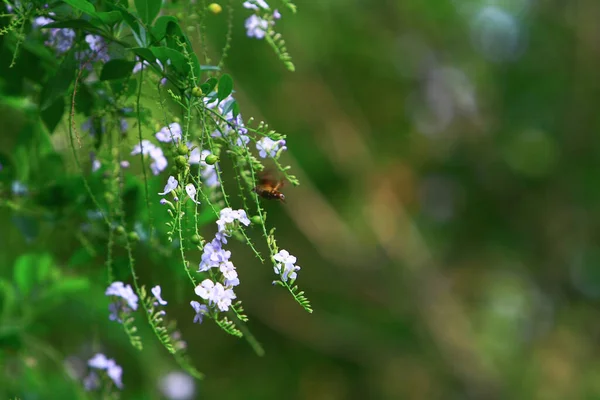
{"points": [[268, 187]]}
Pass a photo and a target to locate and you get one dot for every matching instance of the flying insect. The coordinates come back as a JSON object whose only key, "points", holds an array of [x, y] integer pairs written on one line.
{"points": [[268, 187]]}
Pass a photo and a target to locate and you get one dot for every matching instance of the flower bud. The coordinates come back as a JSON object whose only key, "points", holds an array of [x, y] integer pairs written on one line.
{"points": [[109, 197], [133, 236], [195, 239], [211, 159], [120, 230], [215, 8], [197, 92], [180, 162], [256, 219], [183, 150]]}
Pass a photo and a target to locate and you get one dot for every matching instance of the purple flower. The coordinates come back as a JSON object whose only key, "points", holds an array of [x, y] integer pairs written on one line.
{"points": [[114, 371], [256, 26], [128, 300], [159, 161], [170, 186], [200, 309], [169, 134], [270, 147], [156, 292]]}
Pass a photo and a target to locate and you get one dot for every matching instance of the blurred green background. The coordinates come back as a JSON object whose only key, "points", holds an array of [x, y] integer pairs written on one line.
{"points": [[446, 222]]}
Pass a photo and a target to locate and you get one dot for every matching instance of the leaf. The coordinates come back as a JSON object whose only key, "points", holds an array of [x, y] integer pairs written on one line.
{"points": [[174, 31], [82, 5], [58, 85], [145, 54], [65, 287], [159, 30], [8, 299], [138, 29], [209, 85], [178, 60], [229, 107], [110, 18], [116, 69], [27, 270], [225, 87], [52, 115], [148, 9], [209, 68]]}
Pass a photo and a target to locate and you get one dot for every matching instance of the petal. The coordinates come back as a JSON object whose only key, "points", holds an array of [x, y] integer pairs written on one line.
{"points": [[170, 186], [191, 192]]}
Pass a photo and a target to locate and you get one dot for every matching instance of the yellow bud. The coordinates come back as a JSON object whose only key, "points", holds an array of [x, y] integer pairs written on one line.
{"points": [[215, 8]]}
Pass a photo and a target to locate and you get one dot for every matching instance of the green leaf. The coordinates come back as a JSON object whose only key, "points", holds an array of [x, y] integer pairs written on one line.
{"points": [[137, 27], [209, 68], [52, 115], [8, 299], [58, 85], [159, 30], [175, 32], [110, 18], [145, 54], [82, 5], [225, 87], [66, 287], [209, 85], [178, 60], [28, 268], [116, 69], [148, 9]]}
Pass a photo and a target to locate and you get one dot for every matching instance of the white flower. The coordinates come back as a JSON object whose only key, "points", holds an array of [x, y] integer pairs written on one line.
{"points": [[204, 289], [170, 186], [178, 386], [144, 147], [191, 191], [268, 146], [256, 26], [168, 134], [285, 257]]}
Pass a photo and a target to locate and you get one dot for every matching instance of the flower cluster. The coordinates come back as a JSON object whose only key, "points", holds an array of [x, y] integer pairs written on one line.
{"points": [[127, 300], [256, 25], [98, 51], [159, 161], [219, 294], [102, 363], [234, 125], [169, 134], [285, 267], [60, 39]]}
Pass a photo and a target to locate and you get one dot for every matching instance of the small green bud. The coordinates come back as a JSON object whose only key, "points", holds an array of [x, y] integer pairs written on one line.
{"points": [[197, 92], [109, 197], [211, 159], [134, 237], [195, 239], [181, 162], [215, 8], [120, 230], [180, 15], [183, 150], [256, 219]]}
